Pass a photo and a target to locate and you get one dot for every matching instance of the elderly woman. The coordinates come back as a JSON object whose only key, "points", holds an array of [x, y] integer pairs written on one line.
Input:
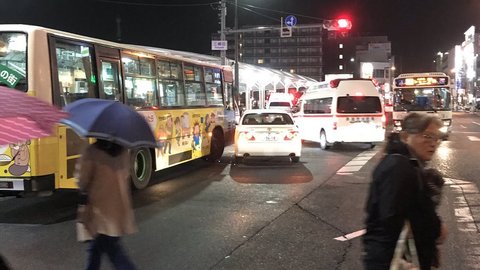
{"points": [[402, 190]]}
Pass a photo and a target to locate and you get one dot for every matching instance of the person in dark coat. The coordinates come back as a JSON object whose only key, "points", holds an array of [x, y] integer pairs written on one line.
{"points": [[400, 192]]}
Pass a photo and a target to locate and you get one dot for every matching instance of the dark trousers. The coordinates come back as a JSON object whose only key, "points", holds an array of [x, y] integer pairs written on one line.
{"points": [[110, 245]]}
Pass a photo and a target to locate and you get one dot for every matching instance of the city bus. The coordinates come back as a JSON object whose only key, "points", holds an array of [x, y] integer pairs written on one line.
{"points": [[187, 102], [341, 111], [427, 92]]}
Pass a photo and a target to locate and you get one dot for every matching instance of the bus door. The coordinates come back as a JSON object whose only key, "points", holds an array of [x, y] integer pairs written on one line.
{"points": [[73, 78], [109, 73]]}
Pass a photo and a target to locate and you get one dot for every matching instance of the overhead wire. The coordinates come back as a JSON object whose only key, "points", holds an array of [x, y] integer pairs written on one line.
{"points": [[155, 5], [249, 7]]}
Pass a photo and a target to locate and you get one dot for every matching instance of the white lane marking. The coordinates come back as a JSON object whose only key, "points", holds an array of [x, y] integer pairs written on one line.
{"points": [[476, 123], [348, 168], [473, 138], [463, 211], [357, 162], [350, 236], [463, 126]]}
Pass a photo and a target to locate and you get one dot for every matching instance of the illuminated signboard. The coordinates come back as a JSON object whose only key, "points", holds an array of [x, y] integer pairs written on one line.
{"points": [[421, 81]]}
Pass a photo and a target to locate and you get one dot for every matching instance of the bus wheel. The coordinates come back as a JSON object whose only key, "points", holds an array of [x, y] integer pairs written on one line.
{"points": [[217, 145], [141, 167], [323, 140]]}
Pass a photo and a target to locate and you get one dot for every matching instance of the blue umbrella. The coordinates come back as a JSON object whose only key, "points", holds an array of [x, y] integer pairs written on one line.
{"points": [[109, 120]]}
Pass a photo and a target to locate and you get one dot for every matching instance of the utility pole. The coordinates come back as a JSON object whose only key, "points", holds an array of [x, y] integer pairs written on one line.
{"points": [[223, 15], [237, 77]]}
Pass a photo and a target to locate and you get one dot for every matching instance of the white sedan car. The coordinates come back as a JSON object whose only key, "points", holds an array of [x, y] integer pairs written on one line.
{"points": [[269, 132]]}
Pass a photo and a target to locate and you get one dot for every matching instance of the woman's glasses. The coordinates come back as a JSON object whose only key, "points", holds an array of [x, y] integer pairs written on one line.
{"points": [[431, 137]]}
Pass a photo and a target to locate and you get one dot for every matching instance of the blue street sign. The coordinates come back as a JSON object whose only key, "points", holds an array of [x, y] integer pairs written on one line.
{"points": [[290, 21]]}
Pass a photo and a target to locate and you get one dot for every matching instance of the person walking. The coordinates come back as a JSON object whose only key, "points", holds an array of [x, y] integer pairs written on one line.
{"points": [[404, 189], [106, 212]]}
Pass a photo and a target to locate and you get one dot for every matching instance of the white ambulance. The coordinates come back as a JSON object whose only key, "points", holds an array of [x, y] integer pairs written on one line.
{"points": [[341, 111]]}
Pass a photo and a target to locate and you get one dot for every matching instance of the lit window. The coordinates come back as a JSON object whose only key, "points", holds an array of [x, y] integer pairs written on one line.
{"points": [[340, 56], [260, 61], [340, 67], [352, 59], [340, 46]]}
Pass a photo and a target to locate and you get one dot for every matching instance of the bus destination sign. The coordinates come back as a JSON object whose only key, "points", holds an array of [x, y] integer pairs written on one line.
{"points": [[421, 81]]}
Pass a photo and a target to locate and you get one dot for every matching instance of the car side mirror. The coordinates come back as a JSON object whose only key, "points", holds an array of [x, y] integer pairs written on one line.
{"points": [[295, 109]]}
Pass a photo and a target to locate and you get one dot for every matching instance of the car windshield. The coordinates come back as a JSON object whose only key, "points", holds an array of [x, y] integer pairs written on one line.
{"points": [[267, 119], [421, 99]]}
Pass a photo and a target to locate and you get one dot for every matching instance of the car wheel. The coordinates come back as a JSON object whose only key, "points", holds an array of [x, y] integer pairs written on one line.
{"points": [[323, 141], [295, 159], [217, 145], [141, 168]]}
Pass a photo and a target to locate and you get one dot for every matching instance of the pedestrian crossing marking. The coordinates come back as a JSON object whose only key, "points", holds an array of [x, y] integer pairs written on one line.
{"points": [[473, 138]]}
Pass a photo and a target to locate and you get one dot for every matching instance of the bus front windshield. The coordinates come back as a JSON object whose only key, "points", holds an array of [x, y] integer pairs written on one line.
{"points": [[13, 60], [422, 99]]}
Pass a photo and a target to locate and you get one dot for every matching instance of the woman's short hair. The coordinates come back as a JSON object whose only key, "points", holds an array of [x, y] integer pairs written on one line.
{"points": [[415, 123]]}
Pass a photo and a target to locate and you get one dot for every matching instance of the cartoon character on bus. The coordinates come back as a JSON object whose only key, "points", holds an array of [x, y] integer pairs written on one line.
{"points": [[20, 157], [185, 119], [196, 136], [168, 135], [178, 130]]}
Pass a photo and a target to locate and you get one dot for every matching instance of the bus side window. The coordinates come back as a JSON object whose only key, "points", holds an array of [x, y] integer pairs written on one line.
{"points": [[74, 70]]}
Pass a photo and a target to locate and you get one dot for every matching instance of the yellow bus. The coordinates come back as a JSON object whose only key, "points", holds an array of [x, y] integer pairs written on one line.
{"points": [[187, 101]]}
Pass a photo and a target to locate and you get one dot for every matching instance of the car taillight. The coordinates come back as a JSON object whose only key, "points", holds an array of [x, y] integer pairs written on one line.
{"points": [[245, 135], [291, 135]]}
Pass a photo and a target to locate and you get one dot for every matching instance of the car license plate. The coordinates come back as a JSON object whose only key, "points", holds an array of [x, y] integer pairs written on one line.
{"points": [[270, 138]]}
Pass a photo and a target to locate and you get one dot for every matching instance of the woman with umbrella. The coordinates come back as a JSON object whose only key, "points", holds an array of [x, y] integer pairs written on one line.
{"points": [[106, 212], [103, 174]]}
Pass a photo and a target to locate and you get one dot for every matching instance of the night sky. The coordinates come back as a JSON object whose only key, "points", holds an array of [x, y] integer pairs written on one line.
{"points": [[417, 28]]}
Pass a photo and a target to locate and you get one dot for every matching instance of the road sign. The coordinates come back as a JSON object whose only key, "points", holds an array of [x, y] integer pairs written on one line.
{"points": [[285, 32], [219, 45], [290, 21]]}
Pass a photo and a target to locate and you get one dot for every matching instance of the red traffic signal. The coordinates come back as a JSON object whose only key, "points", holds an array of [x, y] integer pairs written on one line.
{"points": [[337, 25]]}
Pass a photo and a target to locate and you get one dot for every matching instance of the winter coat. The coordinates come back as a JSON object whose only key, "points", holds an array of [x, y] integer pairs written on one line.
{"points": [[105, 181], [398, 192]]}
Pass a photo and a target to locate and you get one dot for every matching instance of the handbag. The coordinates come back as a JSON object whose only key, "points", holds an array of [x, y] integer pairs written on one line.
{"points": [[405, 256], [84, 216]]}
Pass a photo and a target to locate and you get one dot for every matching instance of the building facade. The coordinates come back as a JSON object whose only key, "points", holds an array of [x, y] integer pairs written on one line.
{"points": [[462, 63]]}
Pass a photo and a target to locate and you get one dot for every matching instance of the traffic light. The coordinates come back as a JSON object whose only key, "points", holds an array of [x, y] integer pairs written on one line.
{"points": [[337, 25]]}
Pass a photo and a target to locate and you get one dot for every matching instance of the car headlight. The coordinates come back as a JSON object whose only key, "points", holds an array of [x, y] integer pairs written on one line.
{"points": [[444, 129], [397, 123]]}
